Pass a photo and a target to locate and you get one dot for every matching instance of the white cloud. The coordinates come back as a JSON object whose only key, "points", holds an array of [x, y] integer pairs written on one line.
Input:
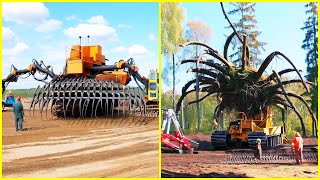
{"points": [[72, 17], [152, 37], [100, 31], [49, 25], [25, 13], [137, 50], [119, 49], [125, 26], [16, 50], [8, 35], [97, 20]]}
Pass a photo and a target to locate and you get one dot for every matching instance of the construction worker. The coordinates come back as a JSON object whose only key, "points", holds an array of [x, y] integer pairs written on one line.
{"points": [[18, 114], [258, 153], [297, 145]]}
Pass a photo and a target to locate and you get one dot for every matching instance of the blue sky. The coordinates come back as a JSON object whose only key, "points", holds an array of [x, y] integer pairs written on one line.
{"points": [[44, 31], [280, 24]]}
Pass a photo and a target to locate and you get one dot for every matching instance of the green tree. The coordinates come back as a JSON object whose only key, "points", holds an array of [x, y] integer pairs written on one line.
{"points": [[172, 16], [247, 25], [310, 44], [198, 30]]}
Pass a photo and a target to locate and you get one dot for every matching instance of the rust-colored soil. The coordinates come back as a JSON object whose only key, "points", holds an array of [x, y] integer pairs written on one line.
{"points": [[80, 148], [209, 163]]}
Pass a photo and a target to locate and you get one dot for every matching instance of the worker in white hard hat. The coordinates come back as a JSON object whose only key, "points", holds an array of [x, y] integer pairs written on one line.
{"points": [[258, 153]]}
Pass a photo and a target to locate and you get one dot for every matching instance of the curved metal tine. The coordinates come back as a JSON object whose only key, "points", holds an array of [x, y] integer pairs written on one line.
{"points": [[45, 97], [100, 98], [84, 107], [109, 97], [77, 86], [70, 92], [94, 96], [106, 92], [41, 99], [134, 101], [91, 85], [55, 93], [54, 99], [125, 100], [59, 88], [130, 100], [83, 92], [139, 103], [144, 104], [48, 99], [142, 108], [33, 100], [84, 87], [61, 95], [123, 97], [119, 98], [66, 95], [63, 100], [87, 90], [112, 91]]}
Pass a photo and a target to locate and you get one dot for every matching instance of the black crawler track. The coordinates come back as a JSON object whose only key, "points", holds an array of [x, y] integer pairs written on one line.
{"points": [[85, 97]]}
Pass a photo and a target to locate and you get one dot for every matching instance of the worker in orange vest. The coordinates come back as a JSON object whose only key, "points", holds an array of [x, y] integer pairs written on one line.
{"points": [[297, 145]]}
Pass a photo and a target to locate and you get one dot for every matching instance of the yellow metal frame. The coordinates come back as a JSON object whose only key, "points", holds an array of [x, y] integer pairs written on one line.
{"points": [[256, 124], [153, 79]]}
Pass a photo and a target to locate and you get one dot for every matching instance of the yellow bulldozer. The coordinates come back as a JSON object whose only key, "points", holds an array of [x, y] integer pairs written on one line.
{"points": [[245, 132], [89, 87]]}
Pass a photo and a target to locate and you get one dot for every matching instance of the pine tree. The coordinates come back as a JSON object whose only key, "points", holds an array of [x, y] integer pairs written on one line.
{"points": [[310, 44], [247, 25]]}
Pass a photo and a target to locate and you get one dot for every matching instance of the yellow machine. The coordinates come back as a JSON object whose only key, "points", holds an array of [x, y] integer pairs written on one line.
{"points": [[244, 131], [89, 87], [88, 60], [153, 90]]}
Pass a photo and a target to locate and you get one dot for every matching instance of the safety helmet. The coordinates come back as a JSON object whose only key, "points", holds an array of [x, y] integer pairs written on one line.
{"points": [[258, 140], [19, 98]]}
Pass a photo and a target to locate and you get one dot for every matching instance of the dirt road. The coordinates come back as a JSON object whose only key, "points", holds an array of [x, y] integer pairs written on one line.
{"points": [[80, 148], [209, 163]]}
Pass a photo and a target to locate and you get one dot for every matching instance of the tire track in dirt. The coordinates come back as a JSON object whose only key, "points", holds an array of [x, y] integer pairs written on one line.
{"points": [[55, 148], [32, 150], [88, 169]]}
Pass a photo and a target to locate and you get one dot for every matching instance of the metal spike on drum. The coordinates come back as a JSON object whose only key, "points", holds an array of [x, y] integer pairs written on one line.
{"points": [[85, 97]]}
